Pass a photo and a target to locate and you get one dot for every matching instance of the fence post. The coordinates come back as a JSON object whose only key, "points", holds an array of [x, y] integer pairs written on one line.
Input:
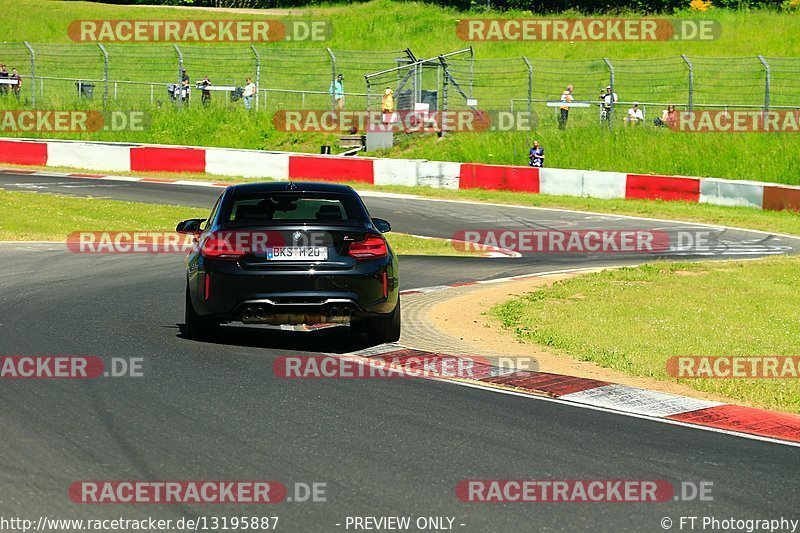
{"points": [[105, 75], [258, 72], [445, 83], [180, 73], [369, 92], [691, 80], [530, 87], [767, 80], [33, 72], [333, 78], [471, 70], [611, 82], [416, 85]]}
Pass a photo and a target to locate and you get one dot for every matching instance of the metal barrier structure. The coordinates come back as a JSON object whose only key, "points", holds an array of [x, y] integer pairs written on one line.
{"points": [[126, 75], [421, 81]]}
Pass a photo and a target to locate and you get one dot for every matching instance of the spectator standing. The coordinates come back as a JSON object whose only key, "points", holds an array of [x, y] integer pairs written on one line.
{"points": [[3, 75], [205, 96], [387, 105], [184, 87], [387, 102], [536, 155], [248, 93], [186, 91], [635, 115], [337, 91], [18, 87], [566, 97], [609, 99]]}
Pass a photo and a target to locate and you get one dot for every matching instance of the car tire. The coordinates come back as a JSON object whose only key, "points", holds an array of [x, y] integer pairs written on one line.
{"points": [[385, 329], [197, 327]]}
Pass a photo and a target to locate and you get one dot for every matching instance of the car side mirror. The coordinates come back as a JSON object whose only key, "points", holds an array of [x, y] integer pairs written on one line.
{"points": [[190, 227], [382, 225]]}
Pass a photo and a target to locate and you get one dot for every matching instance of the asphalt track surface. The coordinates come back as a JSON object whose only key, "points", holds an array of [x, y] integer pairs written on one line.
{"points": [[214, 410]]}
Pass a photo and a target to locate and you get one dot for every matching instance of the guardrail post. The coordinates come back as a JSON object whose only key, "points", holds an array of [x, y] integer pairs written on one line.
{"points": [[691, 80], [333, 78], [530, 87], [611, 82], [33, 72], [258, 72], [767, 81], [180, 73], [105, 75]]}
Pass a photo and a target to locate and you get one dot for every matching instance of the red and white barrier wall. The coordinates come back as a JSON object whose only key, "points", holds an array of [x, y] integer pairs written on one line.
{"points": [[110, 157]]}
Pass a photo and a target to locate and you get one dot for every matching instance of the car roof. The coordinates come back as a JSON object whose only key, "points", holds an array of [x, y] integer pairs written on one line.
{"points": [[293, 186]]}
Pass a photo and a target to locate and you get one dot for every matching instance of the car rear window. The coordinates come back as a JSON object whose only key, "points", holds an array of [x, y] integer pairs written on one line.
{"points": [[279, 208]]}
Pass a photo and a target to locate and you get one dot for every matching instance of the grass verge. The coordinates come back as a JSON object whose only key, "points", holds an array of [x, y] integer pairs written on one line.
{"points": [[28, 216], [633, 319]]}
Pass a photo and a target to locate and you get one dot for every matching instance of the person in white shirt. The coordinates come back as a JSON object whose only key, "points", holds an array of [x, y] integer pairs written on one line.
{"points": [[635, 115], [608, 99], [248, 93], [567, 98]]}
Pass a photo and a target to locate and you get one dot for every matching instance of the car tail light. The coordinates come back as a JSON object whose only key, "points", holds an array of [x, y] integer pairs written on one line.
{"points": [[215, 247], [385, 281], [372, 247], [207, 291]]}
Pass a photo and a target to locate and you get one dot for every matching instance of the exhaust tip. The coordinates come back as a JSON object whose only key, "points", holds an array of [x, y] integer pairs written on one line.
{"points": [[335, 312], [260, 313], [346, 312], [247, 313]]}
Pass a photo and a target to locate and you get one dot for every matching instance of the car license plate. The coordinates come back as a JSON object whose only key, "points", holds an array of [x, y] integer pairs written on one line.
{"points": [[297, 253]]}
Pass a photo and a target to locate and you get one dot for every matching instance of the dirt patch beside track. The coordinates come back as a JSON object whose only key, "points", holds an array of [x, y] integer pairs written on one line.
{"points": [[462, 319]]}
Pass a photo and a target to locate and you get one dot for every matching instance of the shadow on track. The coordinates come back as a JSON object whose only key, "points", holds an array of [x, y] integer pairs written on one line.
{"points": [[337, 339]]}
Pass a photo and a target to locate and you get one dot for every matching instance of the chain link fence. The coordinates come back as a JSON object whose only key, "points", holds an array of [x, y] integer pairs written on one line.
{"points": [[130, 75], [533, 85]]}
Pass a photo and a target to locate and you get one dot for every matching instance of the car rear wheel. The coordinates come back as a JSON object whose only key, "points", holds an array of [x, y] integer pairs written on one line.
{"points": [[385, 329], [197, 327]]}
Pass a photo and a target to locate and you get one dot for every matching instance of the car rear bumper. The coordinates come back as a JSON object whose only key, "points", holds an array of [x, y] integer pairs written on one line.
{"points": [[294, 297]]}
